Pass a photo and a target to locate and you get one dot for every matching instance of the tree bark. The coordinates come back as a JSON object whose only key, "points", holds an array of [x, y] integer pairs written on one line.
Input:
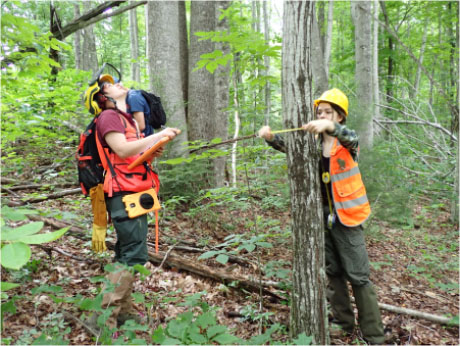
{"points": [[77, 40], [418, 74], [361, 13], [201, 82], [267, 64], [317, 56], [134, 35], [221, 85], [89, 61], [375, 63], [164, 53], [308, 313]]}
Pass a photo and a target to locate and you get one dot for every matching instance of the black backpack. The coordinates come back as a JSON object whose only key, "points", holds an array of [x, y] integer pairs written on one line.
{"points": [[90, 170], [157, 114]]}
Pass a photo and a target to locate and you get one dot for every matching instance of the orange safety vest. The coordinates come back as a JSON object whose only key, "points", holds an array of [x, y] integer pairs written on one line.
{"points": [[118, 178], [348, 191]]}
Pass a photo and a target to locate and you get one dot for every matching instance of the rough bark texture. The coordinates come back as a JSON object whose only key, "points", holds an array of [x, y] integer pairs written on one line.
{"points": [[375, 63], [308, 312], [361, 13], [134, 34], [317, 58], [201, 82], [221, 85], [164, 22], [89, 61]]}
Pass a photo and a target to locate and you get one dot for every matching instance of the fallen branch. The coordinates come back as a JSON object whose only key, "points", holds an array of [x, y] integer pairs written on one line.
{"points": [[49, 249], [44, 198], [237, 281], [415, 313], [37, 186], [208, 146]]}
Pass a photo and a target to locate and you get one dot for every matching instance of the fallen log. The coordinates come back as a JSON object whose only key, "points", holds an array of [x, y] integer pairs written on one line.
{"points": [[237, 281], [414, 313], [45, 198], [37, 186]]}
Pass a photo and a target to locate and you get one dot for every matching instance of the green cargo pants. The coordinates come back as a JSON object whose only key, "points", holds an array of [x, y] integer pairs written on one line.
{"points": [[347, 259], [131, 245]]}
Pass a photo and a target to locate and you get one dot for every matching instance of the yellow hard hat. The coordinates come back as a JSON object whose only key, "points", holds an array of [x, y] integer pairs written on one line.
{"points": [[106, 78], [334, 96], [90, 102]]}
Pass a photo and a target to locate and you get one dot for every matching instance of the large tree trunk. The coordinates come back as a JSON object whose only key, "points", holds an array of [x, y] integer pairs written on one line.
{"points": [[201, 82], [134, 34], [89, 61], [221, 82], [308, 311], [319, 72], [77, 40], [267, 64], [375, 63], [164, 23], [361, 13]]}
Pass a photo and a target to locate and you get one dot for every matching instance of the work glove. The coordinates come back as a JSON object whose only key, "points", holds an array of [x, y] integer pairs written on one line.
{"points": [[99, 218], [98, 239]]}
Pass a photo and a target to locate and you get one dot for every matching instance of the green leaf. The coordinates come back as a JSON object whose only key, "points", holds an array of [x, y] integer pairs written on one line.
{"points": [[15, 255], [91, 304], [222, 259], [196, 337], [454, 321], [208, 254], [141, 269], [264, 244], [44, 237], [5, 286], [171, 341], [205, 320], [177, 329], [158, 335], [226, 339], [22, 231], [214, 330], [303, 339]]}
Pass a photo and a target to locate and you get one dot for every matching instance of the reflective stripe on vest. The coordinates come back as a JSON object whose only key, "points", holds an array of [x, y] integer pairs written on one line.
{"points": [[348, 191]]}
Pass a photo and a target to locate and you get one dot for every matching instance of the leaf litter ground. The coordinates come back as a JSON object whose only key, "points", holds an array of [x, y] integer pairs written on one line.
{"points": [[408, 269]]}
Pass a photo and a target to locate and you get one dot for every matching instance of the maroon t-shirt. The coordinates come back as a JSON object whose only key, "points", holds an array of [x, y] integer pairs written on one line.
{"points": [[109, 121]]}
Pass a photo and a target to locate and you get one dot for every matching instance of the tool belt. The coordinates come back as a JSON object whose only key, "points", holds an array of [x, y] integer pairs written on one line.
{"points": [[141, 203]]}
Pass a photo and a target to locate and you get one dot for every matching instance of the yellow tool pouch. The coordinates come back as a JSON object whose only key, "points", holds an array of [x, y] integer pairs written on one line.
{"points": [[141, 203]]}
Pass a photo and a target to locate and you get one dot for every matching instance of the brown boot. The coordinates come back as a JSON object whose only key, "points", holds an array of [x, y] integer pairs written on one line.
{"points": [[120, 298]]}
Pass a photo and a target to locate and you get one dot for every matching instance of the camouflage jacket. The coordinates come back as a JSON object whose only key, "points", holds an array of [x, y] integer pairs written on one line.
{"points": [[347, 137]]}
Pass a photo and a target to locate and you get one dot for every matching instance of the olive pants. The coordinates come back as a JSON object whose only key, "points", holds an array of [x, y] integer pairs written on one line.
{"points": [[130, 249], [131, 245], [346, 259]]}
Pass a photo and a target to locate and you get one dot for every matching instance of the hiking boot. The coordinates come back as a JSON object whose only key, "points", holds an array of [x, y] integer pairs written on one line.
{"points": [[369, 319], [136, 317]]}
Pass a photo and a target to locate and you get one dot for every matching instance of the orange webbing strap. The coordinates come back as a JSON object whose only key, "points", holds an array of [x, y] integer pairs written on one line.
{"points": [[156, 231]]}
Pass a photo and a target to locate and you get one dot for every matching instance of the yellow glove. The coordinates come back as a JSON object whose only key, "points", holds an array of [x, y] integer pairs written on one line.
{"points": [[99, 218], [98, 240]]}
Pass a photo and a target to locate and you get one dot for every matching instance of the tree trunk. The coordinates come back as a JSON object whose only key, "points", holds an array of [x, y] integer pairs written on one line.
{"points": [[267, 95], [319, 72], [221, 82], [134, 34], [77, 40], [308, 312], [361, 13], [389, 84], [89, 61], [163, 24], [420, 62], [201, 82], [375, 63], [328, 37]]}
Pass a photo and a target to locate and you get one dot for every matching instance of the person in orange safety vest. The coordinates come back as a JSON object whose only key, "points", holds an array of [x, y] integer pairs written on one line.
{"points": [[346, 207]]}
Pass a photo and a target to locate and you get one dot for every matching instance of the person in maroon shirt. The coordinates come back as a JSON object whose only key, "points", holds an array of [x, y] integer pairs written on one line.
{"points": [[119, 133]]}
